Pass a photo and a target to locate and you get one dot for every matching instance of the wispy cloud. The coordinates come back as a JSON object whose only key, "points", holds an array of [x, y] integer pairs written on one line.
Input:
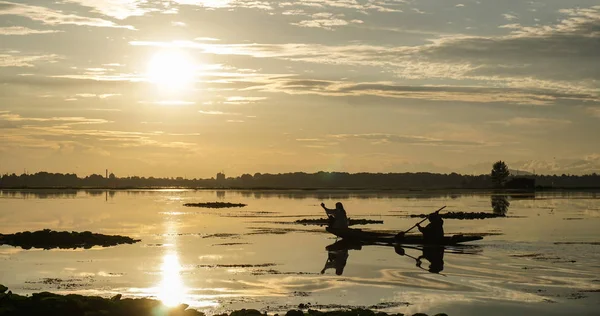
{"points": [[52, 17], [93, 95], [217, 113], [118, 9], [223, 4], [377, 138], [170, 102], [441, 93], [20, 60], [243, 100], [326, 21], [21, 30], [532, 122], [11, 117]]}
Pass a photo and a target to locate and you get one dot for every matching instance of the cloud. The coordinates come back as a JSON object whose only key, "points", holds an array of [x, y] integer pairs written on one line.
{"points": [[52, 17], [377, 138], [216, 113], [562, 56], [170, 102], [243, 100], [509, 17], [118, 9], [21, 30], [20, 60], [223, 4], [532, 122], [326, 21], [99, 96], [206, 39], [440, 93], [10, 117], [358, 6]]}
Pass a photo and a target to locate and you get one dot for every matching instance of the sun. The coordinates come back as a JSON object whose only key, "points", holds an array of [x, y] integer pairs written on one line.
{"points": [[171, 70]]}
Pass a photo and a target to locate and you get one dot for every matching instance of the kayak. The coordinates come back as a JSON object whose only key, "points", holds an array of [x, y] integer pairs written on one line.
{"points": [[367, 236]]}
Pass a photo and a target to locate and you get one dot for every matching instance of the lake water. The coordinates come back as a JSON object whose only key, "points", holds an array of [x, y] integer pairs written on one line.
{"points": [[543, 258]]}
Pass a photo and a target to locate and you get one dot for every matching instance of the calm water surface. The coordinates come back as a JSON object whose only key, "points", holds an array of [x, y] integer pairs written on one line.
{"points": [[544, 258]]}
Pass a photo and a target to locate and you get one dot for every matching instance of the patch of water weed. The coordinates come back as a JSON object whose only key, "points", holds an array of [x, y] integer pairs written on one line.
{"points": [[49, 239], [542, 257], [280, 231], [276, 272], [590, 291], [594, 243], [382, 305], [464, 215], [215, 205], [64, 283], [232, 244], [324, 221], [222, 235], [260, 265]]}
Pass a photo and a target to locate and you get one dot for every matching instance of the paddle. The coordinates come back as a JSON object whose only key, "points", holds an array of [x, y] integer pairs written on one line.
{"points": [[419, 223]]}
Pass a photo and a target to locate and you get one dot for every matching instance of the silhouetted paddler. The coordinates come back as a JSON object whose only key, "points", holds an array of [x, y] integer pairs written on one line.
{"points": [[337, 217]]}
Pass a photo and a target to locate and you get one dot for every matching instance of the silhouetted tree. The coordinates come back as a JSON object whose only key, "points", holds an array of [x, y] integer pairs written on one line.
{"points": [[500, 173]]}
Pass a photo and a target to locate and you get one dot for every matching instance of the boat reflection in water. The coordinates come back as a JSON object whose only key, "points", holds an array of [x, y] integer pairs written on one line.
{"points": [[337, 254]]}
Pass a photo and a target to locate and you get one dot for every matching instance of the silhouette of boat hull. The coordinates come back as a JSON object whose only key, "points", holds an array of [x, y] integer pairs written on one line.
{"points": [[352, 234]]}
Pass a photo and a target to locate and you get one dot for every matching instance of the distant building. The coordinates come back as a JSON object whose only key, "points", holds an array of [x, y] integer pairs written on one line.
{"points": [[220, 177]]}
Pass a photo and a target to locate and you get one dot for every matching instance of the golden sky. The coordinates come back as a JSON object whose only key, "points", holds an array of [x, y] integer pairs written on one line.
{"points": [[192, 87]]}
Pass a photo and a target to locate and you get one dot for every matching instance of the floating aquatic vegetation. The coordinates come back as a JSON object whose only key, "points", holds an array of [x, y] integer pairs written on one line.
{"points": [[232, 244], [324, 221], [464, 215], [49, 239], [215, 205], [577, 243], [260, 265], [542, 257], [277, 272], [64, 283]]}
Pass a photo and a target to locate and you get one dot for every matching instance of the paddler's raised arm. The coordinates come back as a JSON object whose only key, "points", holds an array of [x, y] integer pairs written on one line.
{"points": [[327, 210]]}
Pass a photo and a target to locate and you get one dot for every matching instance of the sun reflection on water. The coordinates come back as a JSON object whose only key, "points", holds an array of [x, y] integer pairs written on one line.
{"points": [[171, 290]]}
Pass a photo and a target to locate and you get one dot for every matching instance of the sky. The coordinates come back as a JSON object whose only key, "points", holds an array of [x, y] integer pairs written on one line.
{"points": [[193, 87]]}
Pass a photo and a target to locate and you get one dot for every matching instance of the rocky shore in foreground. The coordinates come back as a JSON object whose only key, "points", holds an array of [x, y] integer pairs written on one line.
{"points": [[46, 303]]}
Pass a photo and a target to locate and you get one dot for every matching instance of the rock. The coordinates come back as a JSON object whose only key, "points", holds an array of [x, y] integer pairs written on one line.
{"points": [[3, 288], [246, 312], [313, 312], [441, 314], [419, 314], [294, 313], [116, 297]]}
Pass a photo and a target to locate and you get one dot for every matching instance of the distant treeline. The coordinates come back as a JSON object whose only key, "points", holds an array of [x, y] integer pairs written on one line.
{"points": [[297, 180]]}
